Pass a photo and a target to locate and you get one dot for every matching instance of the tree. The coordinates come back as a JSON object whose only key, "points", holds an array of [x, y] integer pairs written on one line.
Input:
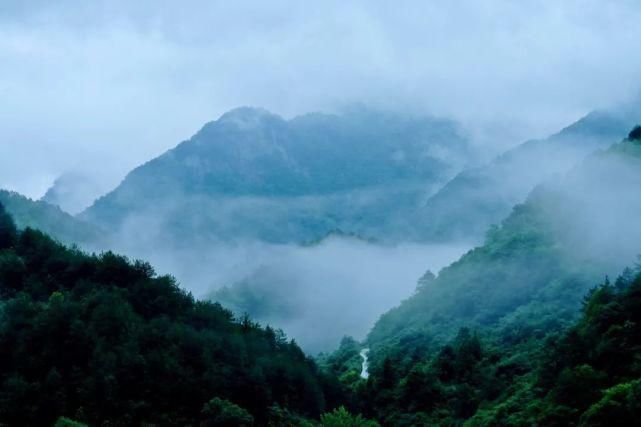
{"points": [[635, 134], [342, 418], [223, 413], [7, 229]]}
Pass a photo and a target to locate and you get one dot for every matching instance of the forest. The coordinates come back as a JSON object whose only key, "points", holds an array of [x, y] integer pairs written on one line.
{"points": [[102, 340], [320, 214], [99, 339]]}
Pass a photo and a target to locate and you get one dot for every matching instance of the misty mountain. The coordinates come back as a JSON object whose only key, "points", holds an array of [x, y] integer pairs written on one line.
{"points": [[254, 175], [567, 235], [481, 196], [50, 219], [73, 192], [488, 339]]}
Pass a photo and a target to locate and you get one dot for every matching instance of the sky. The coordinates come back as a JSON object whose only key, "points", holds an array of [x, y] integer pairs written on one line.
{"points": [[100, 87]]}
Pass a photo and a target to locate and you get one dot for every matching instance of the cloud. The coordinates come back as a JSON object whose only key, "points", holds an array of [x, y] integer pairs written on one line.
{"points": [[103, 86]]}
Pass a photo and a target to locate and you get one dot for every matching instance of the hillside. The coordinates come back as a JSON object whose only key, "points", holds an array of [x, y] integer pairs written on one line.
{"points": [[50, 219], [105, 341], [585, 375], [496, 306], [481, 196], [253, 175], [568, 229]]}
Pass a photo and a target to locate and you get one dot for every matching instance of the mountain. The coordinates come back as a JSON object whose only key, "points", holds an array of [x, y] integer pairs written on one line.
{"points": [[579, 226], [50, 219], [481, 196], [253, 175], [73, 192], [108, 342], [479, 328]]}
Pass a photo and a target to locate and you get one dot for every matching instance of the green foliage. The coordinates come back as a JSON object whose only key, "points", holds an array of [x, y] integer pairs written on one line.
{"points": [[517, 359], [103, 340], [345, 359], [587, 374], [621, 403], [342, 418], [223, 413], [8, 230]]}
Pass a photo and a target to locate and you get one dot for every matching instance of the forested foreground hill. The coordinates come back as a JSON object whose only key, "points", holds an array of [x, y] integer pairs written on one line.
{"points": [[470, 345], [587, 375], [107, 342]]}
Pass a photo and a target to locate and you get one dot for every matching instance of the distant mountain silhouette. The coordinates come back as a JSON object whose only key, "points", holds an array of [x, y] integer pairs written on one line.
{"points": [[254, 175]]}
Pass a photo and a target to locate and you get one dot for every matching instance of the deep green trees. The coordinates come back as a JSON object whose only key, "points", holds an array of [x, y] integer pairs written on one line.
{"points": [[101, 339], [587, 375]]}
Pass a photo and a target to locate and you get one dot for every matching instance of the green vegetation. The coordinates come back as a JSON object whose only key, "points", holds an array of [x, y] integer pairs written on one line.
{"points": [[511, 334], [48, 218], [501, 337], [587, 374], [342, 418], [101, 340]]}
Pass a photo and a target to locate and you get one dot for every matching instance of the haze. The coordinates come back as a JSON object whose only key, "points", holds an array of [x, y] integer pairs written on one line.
{"points": [[98, 88]]}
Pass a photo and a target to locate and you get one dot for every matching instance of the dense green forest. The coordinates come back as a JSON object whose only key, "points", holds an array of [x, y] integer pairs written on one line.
{"points": [[514, 333], [587, 374], [506, 335], [104, 341]]}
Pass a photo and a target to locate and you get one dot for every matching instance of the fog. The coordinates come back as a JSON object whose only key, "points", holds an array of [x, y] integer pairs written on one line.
{"points": [[317, 294], [97, 88]]}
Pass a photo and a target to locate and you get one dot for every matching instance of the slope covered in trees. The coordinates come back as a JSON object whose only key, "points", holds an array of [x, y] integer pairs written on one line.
{"points": [[480, 342], [564, 237], [587, 374], [102, 340]]}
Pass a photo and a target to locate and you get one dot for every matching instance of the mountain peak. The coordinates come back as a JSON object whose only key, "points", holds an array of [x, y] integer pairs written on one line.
{"points": [[247, 117]]}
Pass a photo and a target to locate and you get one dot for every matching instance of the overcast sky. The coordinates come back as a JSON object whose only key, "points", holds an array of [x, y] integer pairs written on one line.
{"points": [[100, 87]]}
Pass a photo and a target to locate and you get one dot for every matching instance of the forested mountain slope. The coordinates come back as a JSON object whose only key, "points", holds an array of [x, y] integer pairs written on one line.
{"points": [[50, 219], [493, 339], [481, 196], [253, 175], [563, 238], [585, 375], [105, 341]]}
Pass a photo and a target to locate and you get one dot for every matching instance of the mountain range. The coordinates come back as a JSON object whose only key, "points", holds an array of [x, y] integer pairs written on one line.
{"points": [[254, 175]]}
